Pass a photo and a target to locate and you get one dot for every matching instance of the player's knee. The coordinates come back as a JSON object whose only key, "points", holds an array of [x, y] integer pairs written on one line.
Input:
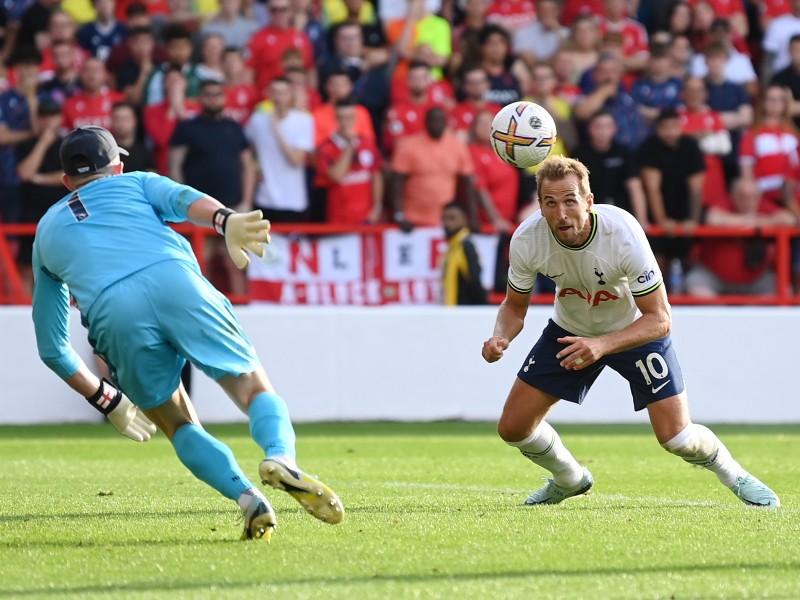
{"points": [[693, 443], [511, 432]]}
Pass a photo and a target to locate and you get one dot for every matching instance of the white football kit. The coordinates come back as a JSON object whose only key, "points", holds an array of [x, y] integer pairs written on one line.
{"points": [[596, 282]]}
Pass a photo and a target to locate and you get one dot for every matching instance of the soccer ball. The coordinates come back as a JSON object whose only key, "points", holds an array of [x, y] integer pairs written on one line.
{"points": [[523, 133]]}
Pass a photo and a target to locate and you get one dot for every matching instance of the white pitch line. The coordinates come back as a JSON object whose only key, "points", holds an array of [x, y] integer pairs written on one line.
{"points": [[613, 497]]}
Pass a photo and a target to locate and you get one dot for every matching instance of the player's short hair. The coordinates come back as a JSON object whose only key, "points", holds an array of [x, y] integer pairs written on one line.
{"points": [[557, 167]]}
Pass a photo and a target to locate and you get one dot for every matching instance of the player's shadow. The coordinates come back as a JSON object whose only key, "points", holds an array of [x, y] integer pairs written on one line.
{"points": [[189, 586]]}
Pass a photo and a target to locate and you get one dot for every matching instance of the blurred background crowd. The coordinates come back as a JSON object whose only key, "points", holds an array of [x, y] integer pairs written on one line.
{"points": [[350, 112]]}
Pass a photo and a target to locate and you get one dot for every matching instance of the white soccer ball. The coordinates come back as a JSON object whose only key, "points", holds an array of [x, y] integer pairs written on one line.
{"points": [[523, 133]]}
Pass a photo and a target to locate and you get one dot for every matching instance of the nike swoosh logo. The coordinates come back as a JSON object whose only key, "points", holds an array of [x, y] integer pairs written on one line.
{"points": [[657, 389]]}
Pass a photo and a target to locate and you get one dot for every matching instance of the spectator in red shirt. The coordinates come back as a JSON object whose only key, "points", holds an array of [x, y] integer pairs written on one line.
{"points": [[92, 106], [267, 46], [65, 82], [349, 166], [497, 182], [634, 36], [743, 265], [241, 96], [707, 127], [161, 119], [407, 118], [475, 88]]}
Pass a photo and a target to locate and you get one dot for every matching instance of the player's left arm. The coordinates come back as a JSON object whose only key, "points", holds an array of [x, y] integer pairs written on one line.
{"points": [[655, 323]]}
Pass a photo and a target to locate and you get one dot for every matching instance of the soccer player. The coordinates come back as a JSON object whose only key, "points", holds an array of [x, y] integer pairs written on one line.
{"points": [[148, 309], [610, 309]]}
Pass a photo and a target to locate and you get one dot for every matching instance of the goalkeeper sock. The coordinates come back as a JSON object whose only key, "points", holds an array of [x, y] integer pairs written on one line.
{"points": [[210, 460], [545, 448], [270, 425]]}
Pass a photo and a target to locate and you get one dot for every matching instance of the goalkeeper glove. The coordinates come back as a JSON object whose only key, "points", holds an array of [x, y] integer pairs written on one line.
{"points": [[124, 415], [242, 231]]}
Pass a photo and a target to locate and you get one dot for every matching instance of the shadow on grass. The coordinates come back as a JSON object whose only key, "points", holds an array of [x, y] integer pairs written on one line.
{"points": [[478, 578]]}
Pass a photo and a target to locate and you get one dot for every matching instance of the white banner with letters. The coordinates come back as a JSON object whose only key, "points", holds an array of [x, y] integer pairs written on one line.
{"points": [[367, 269]]}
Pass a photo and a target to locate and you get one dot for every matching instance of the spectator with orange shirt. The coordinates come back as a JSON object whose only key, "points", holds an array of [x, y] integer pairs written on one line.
{"points": [[420, 36], [496, 182], [349, 166], [266, 47], [241, 96], [91, 106], [429, 169], [738, 265], [475, 87], [338, 87], [161, 119]]}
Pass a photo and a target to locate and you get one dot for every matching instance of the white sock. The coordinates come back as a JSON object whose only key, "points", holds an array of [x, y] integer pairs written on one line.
{"points": [[246, 496], [698, 445], [545, 448]]}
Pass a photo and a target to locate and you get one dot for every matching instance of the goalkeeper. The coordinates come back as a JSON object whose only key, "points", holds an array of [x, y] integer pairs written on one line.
{"points": [[148, 309]]}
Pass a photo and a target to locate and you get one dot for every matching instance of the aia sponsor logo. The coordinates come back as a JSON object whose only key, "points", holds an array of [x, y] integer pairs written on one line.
{"points": [[586, 295]]}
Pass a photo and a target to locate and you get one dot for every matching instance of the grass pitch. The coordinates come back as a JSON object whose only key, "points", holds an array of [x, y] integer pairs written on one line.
{"points": [[433, 511]]}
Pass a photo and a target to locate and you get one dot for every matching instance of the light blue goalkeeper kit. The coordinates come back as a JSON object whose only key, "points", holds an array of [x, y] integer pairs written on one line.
{"points": [[147, 307]]}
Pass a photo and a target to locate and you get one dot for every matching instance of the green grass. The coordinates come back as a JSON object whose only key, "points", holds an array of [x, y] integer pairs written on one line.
{"points": [[433, 511]]}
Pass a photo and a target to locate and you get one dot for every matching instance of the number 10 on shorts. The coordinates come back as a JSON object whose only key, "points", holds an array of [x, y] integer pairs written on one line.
{"points": [[654, 365]]}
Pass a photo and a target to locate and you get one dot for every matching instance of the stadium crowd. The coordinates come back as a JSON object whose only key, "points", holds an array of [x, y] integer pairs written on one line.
{"points": [[351, 112]]}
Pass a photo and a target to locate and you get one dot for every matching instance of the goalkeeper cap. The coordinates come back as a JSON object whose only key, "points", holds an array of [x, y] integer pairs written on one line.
{"points": [[87, 150]]}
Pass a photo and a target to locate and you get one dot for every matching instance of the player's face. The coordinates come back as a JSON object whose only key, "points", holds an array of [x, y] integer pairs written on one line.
{"points": [[566, 210]]}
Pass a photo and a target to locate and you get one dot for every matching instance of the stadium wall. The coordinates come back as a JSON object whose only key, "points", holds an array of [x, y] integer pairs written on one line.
{"points": [[423, 363]]}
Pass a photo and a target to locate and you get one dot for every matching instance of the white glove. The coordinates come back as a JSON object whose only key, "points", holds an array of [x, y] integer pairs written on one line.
{"points": [[123, 414], [242, 231]]}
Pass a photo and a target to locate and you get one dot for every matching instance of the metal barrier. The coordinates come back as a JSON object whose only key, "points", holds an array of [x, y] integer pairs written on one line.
{"points": [[12, 288]]}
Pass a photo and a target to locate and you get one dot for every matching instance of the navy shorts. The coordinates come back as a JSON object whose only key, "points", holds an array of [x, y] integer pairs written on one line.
{"points": [[652, 370]]}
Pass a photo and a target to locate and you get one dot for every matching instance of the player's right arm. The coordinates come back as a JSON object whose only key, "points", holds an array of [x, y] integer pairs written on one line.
{"points": [[511, 315], [509, 323]]}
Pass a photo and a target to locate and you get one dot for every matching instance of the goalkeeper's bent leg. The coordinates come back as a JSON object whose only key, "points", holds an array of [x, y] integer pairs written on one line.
{"points": [[210, 460], [271, 426]]}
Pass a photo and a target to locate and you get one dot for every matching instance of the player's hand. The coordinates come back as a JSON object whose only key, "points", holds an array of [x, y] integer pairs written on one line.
{"points": [[493, 348], [243, 231], [123, 414], [580, 352]]}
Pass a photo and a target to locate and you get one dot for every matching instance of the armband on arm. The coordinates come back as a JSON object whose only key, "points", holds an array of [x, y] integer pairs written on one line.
{"points": [[123, 414]]}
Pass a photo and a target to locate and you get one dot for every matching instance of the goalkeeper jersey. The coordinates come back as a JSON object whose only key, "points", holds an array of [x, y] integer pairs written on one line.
{"points": [[96, 236]]}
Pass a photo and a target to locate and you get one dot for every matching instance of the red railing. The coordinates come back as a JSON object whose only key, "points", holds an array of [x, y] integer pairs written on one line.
{"points": [[12, 288]]}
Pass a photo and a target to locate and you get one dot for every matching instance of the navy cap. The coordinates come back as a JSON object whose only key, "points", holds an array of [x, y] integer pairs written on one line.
{"points": [[86, 150]]}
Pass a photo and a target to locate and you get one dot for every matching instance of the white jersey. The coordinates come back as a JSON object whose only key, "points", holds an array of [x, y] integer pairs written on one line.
{"points": [[595, 282]]}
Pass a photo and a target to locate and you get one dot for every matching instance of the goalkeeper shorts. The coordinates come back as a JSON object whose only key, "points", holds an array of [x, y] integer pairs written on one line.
{"points": [[147, 325]]}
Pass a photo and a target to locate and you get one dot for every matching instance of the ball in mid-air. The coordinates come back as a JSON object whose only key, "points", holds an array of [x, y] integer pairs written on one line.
{"points": [[523, 133]]}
